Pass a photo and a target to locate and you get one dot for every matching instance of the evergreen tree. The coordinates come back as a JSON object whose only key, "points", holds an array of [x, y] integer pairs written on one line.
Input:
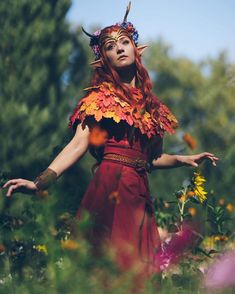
{"points": [[34, 56]]}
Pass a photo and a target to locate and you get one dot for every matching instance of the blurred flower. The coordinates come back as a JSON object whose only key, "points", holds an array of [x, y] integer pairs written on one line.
{"points": [[42, 193], [2, 248], [183, 197], [69, 244], [53, 231], [41, 248], [211, 242], [192, 211], [221, 201], [229, 207], [166, 204], [114, 197], [190, 194], [219, 274], [198, 187], [163, 233], [220, 238], [98, 136], [190, 141], [173, 248]]}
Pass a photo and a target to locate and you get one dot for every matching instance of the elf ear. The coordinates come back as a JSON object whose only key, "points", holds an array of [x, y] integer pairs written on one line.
{"points": [[141, 49], [95, 64]]}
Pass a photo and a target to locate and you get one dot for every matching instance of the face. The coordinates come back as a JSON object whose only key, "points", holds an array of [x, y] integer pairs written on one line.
{"points": [[119, 49]]}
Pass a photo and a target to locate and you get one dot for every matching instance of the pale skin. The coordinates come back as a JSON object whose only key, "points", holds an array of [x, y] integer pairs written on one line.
{"points": [[120, 53]]}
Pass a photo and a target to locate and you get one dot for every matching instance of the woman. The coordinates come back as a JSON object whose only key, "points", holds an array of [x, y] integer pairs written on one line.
{"points": [[122, 123]]}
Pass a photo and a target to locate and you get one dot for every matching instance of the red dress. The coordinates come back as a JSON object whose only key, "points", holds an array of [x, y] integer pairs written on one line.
{"points": [[118, 197]]}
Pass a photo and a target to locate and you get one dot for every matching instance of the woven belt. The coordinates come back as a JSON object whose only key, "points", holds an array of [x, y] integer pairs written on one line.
{"points": [[138, 164]]}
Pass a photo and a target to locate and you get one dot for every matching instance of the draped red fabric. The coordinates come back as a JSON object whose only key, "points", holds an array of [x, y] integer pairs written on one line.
{"points": [[119, 202]]}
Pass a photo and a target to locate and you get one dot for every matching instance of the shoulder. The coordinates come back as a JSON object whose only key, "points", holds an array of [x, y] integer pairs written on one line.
{"points": [[101, 101]]}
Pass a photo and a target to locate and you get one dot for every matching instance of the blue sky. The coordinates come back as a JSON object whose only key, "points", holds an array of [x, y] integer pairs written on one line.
{"points": [[195, 29]]}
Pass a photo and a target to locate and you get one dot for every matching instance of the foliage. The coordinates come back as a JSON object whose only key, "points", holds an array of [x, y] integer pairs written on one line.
{"points": [[43, 69], [201, 97]]}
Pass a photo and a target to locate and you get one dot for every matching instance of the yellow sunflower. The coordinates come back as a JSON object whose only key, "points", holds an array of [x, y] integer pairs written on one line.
{"points": [[199, 190]]}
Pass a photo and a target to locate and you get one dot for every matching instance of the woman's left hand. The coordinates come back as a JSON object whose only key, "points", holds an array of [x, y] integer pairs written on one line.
{"points": [[196, 159]]}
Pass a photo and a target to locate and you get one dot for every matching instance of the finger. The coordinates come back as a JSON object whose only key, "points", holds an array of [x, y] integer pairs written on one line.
{"points": [[213, 160], [11, 189], [193, 163], [11, 182], [207, 154]]}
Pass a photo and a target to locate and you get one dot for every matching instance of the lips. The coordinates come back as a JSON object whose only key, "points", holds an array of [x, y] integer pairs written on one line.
{"points": [[122, 57]]}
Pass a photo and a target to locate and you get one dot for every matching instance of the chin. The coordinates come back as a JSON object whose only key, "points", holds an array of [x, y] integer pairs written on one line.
{"points": [[124, 65]]}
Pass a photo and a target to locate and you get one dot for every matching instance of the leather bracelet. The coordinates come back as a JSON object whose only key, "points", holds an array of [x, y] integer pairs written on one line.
{"points": [[45, 179]]}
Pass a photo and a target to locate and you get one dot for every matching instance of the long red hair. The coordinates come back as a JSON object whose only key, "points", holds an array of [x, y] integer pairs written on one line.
{"points": [[106, 73]]}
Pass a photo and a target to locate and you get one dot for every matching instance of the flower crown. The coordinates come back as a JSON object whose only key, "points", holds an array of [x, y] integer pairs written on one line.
{"points": [[125, 25], [95, 38]]}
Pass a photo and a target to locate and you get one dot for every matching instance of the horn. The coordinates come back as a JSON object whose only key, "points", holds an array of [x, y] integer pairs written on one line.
{"points": [[86, 33], [127, 12]]}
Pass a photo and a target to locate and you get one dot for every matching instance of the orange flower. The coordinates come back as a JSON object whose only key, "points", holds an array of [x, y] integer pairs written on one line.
{"points": [[98, 136], [229, 207], [2, 248], [183, 198], [114, 197], [190, 141], [190, 193], [192, 211], [69, 244], [42, 194]]}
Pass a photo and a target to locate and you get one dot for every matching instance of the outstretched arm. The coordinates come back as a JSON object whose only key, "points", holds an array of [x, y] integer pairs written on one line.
{"points": [[72, 152], [171, 161]]}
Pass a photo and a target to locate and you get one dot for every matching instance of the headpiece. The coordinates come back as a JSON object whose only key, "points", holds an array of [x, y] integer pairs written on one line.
{"points": [[97, 38]]}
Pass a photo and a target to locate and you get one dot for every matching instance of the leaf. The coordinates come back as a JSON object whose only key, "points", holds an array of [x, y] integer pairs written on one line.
{"points": [[200, 250]]}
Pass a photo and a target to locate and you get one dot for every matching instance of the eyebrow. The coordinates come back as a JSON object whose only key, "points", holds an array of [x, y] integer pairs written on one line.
{"points": [[112, 40]]}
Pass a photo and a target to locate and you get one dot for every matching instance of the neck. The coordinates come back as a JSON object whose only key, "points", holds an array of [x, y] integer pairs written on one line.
{"points": [[128, 76]]}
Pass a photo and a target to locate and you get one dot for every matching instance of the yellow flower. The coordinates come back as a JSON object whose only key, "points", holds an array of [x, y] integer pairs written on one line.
{"points": [[69, 244], [199, 192], [229, 207], [220, 238], [41, 248], [209, 243]]}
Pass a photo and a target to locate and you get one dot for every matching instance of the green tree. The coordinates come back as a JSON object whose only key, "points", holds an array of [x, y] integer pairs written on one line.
{"points": [[201, 97]]}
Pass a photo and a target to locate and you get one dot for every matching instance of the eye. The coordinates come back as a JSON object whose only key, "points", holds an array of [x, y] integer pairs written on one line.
{"points": [[125, 41], [109, 47]]}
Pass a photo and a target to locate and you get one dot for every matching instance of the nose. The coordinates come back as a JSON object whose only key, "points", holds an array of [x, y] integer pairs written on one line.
{"points": [[119, 47]]}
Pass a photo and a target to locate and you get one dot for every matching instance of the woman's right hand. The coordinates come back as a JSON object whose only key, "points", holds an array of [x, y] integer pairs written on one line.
{"points": [[19, 185]]}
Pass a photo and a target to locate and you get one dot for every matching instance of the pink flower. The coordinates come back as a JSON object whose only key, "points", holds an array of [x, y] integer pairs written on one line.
{"points": [[221, 273], [173, 249]]}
